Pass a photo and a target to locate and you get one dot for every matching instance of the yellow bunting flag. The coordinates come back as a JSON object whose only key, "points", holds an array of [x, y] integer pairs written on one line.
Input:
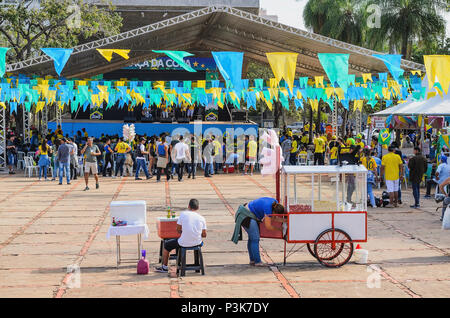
{"points": [[358, 105], [366, 77], [283, 66], [201, 84], [438, 67], [314, 104], [40, 106], [319, 81], [107, 53], [3, 105], [340, 93], [268, 102], [416, 72], [273, 83], [431, 95]]}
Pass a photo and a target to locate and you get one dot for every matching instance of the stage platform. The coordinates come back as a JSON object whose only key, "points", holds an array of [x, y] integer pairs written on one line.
{"points": [[97, 128]]}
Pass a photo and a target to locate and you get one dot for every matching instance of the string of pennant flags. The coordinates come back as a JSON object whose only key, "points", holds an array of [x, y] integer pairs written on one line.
{"points": [[283, 88]]}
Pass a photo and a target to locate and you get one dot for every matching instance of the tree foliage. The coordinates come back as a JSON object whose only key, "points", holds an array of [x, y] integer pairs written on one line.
{"points": [[27, 27], [406, 26]]}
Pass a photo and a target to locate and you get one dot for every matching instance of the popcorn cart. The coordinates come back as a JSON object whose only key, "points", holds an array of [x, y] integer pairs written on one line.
{"points": [[326, 210]]}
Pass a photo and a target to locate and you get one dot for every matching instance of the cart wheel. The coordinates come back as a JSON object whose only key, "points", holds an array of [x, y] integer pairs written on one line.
{"points": [[311, 250], [333, 255]]}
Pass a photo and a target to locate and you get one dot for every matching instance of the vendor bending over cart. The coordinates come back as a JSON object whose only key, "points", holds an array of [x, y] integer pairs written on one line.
{"points": [[250, 217]]}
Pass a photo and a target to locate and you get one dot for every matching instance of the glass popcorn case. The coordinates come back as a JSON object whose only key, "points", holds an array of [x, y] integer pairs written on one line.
{"points": [[326, 210], [324, 188]]}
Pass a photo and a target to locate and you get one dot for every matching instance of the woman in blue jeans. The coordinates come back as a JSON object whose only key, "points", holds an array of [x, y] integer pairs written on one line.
{"points": [[370, 164], [261, 208]]}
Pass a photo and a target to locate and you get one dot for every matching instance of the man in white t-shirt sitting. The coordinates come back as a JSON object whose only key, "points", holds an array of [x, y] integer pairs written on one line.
{"points": [[180, 155], [192, 227]]}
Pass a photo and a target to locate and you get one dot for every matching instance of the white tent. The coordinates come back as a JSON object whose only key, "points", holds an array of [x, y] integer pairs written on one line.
{"points": [[435, 106]]}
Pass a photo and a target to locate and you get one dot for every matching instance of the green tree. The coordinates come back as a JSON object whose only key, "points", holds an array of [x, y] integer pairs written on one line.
{"points": [[408, 22], [338, 19], [26, 27]]}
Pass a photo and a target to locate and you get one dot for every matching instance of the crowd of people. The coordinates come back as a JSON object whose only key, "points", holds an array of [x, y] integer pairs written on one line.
{"points": [[112, 156], [420, 163]]}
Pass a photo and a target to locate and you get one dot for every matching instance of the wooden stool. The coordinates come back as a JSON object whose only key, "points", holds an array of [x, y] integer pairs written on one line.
{"points": [[198, 260]]}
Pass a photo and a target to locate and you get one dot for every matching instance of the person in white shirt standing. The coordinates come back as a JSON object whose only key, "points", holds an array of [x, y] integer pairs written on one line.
{"points": [[192, 227], [180, 156], [140, 160]]}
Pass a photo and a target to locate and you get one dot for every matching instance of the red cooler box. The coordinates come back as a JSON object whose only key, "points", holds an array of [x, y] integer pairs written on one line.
{"points": [[167, 228]]}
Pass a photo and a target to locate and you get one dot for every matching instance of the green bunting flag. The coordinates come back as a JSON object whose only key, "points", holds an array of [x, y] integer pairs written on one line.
{"points": [[3, 51], [178, 56], [336, 67]]}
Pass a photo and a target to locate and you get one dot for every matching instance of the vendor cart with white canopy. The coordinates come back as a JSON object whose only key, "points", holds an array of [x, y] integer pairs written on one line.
{"points": [[326, 210]]}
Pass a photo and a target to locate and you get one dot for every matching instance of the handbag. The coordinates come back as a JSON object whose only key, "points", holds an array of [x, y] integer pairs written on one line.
{"points": [[162, 162]]}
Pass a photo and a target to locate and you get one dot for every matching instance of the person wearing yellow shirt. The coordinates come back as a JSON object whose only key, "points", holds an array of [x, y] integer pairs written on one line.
{"points": [[361, 144], [392, 167], [294, 151], [252, 150], [370, 164], [305, 139], [190, 111], [319, 150], [217, 154], [122, 149], [333, 147], [85, 133], [308, 126], [44, 161], [59, 132], [164, 112]]}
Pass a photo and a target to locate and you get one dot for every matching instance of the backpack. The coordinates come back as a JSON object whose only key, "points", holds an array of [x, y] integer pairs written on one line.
{"points": [[161, 150], [138, 151], [143, 265]]}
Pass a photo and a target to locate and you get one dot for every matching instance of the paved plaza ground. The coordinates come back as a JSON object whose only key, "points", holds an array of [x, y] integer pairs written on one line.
{"points": [[46, 227]]}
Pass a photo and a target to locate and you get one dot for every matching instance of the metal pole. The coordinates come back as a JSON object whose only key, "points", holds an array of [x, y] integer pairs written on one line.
{"points": [[26, 125], [3, 139], [278, 174]]}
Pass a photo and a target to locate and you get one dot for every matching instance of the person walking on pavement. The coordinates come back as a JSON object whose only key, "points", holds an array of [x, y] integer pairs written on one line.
{"points": [[10, 152], [90, 152], [392, 165], [140, 160], [417, 167], [108, 157], [64, 161], [122, 149], [180, 156]]}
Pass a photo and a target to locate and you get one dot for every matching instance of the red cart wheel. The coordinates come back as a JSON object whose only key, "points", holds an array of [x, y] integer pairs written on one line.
{"points": [[311, 250], [333, 248]]}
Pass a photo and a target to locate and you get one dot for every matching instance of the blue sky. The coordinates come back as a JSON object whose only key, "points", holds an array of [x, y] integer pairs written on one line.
{"points": [[290, 12]]}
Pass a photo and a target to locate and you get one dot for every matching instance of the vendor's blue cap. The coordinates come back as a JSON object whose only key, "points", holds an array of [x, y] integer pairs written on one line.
{"points": [[444, 159]]}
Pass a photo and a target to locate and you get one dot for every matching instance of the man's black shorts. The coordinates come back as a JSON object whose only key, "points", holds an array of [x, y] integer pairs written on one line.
{"points": [[171, 244]]}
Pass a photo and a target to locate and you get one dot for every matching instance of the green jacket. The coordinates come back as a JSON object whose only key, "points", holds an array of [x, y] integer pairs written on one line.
{"points": [[241, 214]]}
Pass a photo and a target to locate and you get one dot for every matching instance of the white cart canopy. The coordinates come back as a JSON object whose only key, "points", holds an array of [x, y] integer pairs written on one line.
{"points": [[323, 169], [436, 106]]}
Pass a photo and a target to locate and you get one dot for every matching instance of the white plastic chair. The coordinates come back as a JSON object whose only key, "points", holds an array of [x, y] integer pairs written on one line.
{"points": [[29, 167], [303, 159], [20, 160], [310, 159]]}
